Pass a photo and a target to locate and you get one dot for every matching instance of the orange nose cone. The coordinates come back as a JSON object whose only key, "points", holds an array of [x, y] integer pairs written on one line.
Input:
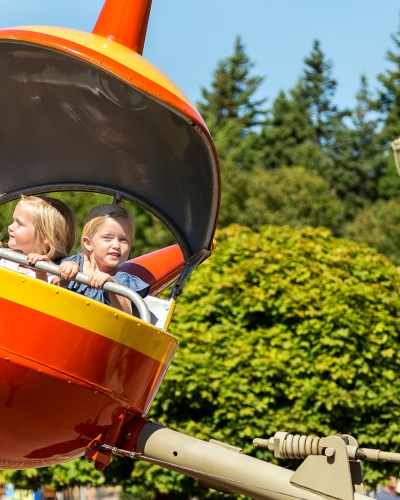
{"points": [[124, 21]]}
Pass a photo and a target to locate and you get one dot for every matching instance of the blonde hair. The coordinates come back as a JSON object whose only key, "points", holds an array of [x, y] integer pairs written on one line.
{"points": [[100, 215], [54, 223]]}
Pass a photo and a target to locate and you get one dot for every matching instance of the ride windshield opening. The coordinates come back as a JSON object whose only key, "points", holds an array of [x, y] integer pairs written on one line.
{"points": [[150, 233], [149, 236]]}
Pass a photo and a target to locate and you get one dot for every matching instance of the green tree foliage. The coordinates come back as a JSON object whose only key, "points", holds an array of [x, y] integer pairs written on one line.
{"points": [[316, 89], [329, 149], [368, 161], [232, 92], [230, 109], [389, 183], [79, 472], [344, 152], [365, 125], [306, 128], [356, 162], [292, 196], [234, 192], [288, 126], [302, 126], [6, 213], [74, 473], [379, 226], [285, 196]]}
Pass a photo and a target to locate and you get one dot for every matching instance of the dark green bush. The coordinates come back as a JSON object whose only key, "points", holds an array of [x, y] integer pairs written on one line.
{"points": [[379, 226]]}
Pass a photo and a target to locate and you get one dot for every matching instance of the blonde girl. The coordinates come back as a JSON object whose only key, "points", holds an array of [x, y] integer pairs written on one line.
{"points": [[106, 242], [42, 228]]}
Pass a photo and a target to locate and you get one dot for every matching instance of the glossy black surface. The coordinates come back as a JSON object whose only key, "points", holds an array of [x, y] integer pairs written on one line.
{"points": [[64, 122]]}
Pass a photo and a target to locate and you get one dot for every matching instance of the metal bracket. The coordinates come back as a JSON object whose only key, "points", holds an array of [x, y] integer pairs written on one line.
{"points": [[117, 198], [329, 476], [188, 268], [355, 465]]}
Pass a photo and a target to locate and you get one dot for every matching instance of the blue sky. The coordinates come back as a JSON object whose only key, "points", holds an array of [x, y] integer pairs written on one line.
{"points": [[186, 38]]}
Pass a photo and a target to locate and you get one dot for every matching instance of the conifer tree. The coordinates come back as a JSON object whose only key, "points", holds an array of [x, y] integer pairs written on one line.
{"points": [[288, 126], [230, 108], [365, 127], [356, 163], [301, 126], [347, 156], [232, 91], [316, 88], [368, 153]]}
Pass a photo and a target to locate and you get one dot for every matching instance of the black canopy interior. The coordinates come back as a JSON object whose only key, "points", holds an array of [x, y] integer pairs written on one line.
{"points": [[66, 124]]}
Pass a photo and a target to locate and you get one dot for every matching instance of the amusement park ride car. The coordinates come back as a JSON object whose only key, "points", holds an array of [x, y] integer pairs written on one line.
{"points": [[86, 112]]}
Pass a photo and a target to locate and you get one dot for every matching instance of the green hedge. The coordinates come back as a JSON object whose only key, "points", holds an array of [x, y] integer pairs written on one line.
{"points": [[286, 330]]}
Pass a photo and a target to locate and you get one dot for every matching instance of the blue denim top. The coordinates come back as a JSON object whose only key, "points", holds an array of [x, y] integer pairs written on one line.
{"points": [[126, 279]]}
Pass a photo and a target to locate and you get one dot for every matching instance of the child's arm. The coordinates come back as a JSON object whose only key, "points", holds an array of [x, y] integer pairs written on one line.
{"points": [[97, 280], [121, 303]]}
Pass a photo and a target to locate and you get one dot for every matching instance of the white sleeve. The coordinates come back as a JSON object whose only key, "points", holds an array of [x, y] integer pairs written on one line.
{"points": [[13, 266], [50, 277], [8, 264]]}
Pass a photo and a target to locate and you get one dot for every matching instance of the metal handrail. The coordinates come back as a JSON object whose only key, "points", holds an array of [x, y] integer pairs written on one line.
{"points": [[48, 267]]}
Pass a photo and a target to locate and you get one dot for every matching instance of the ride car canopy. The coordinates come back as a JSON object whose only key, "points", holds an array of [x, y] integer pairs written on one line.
{"points": [[66, 124]]}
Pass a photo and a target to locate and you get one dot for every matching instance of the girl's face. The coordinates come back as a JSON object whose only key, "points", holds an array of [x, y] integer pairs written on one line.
{"points": [[110, 246], [22, 233]]}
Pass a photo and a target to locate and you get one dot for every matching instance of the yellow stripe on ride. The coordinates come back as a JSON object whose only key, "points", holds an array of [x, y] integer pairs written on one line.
{"points": [[112, 49], [88, 314]]}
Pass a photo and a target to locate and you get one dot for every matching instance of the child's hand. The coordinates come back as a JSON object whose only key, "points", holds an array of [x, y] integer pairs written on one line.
{"points": [[97, 279], [35, 257], [68, 269]]}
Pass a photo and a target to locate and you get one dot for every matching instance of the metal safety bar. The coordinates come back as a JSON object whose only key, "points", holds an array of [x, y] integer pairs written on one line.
{"points": [[48, 267]]}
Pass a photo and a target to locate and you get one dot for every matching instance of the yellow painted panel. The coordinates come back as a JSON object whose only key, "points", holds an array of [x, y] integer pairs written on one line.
{"points": [[88, 314]]}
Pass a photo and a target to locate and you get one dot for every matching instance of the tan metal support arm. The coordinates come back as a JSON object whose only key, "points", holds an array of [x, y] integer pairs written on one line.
{"points": [[225, 468]]}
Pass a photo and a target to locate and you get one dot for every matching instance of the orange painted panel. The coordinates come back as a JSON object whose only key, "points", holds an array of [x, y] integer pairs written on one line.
{"points": [[62, 385], [80, 353], [46, 416]]}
